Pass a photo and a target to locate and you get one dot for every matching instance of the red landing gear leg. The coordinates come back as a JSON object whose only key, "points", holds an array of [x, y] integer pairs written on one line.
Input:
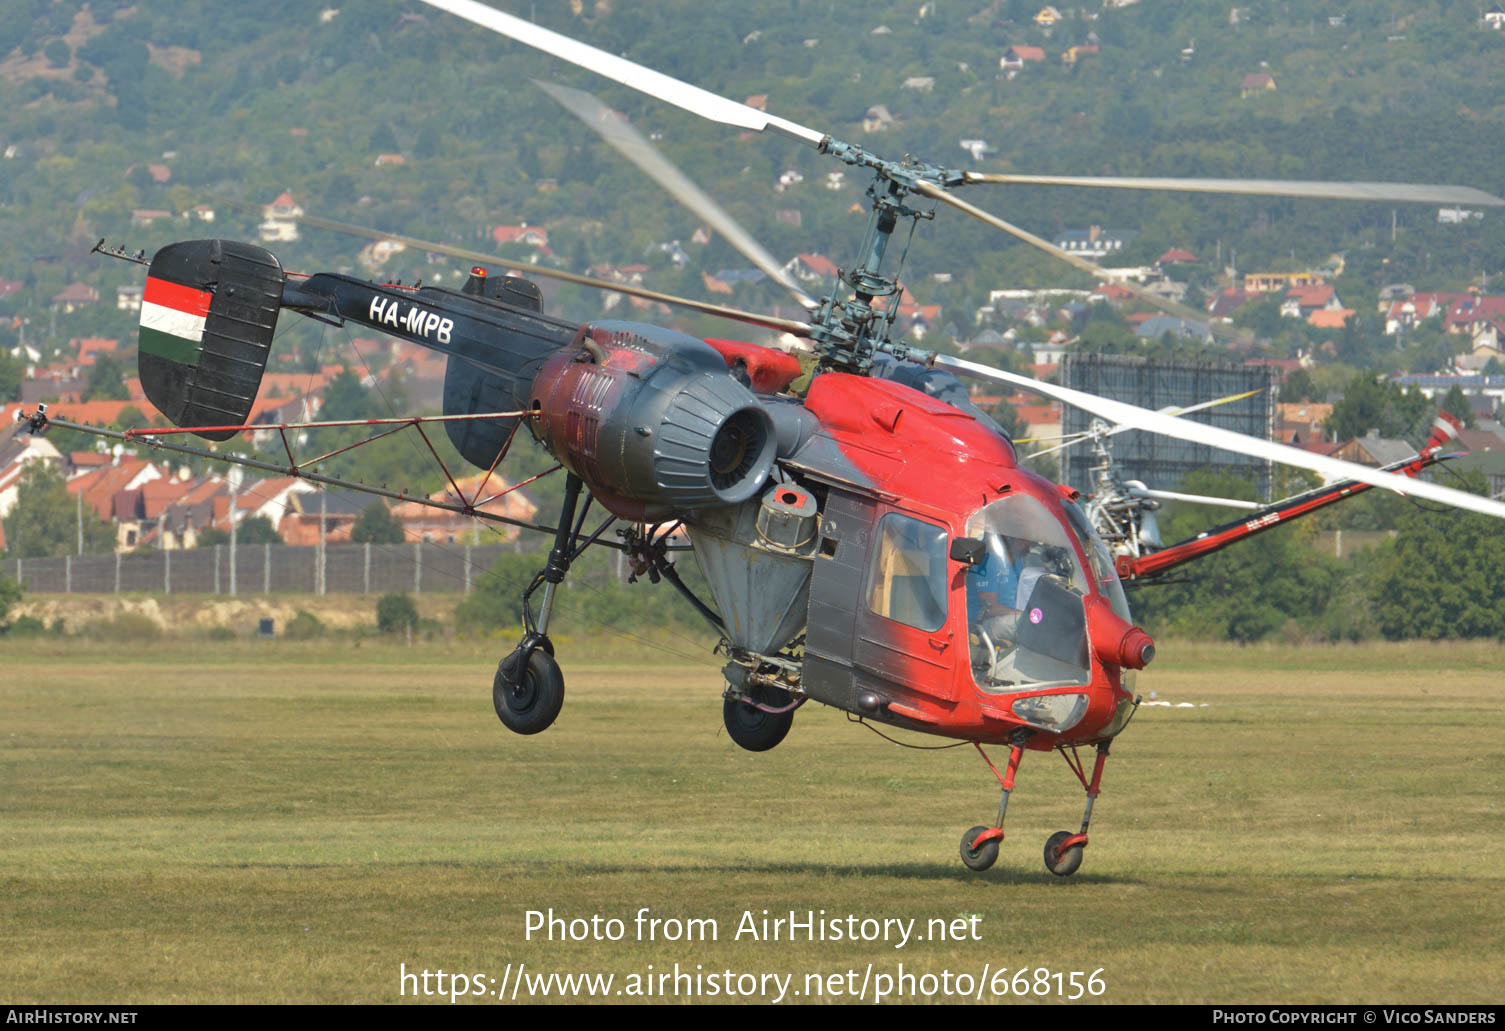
{"points": [[1063, 849], [979, 848]]}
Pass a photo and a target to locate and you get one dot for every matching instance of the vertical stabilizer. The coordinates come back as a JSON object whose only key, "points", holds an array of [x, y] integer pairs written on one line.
{"points": [[207, 318]]}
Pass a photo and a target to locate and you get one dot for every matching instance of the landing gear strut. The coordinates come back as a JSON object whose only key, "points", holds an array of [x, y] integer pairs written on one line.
{"points": [[979, 849], [529, 688], [1063, 849]]}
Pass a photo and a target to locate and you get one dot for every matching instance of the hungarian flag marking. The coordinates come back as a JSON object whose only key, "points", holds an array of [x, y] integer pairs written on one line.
{"points": [[172, 320]]}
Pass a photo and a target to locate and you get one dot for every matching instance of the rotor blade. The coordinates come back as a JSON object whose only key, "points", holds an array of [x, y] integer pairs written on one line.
{"points": [[630, 143], [1076, 261], [645, 80], [790, 326], [1070, 437], [1424, 193], [1196, 499], [1050, 450], [1213, 436], [736, 314], [1077, 438], [1173, 410], [1201, 405]]}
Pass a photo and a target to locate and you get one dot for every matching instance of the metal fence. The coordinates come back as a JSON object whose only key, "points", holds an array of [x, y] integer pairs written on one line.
{"points": [[1159, 461], [263, 569]]}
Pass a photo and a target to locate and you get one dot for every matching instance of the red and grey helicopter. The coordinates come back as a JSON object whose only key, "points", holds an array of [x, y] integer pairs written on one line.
{"points": [[870, 540]]}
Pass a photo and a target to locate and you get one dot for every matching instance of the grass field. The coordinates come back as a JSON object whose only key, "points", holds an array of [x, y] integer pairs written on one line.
{"points": [[278, 822]]}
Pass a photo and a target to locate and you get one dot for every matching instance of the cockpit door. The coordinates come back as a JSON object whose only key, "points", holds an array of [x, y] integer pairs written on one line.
{"points": [[878, 605], [903, 636]]}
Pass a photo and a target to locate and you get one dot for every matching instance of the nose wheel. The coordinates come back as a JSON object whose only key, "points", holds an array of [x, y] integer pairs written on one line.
{"points": [[1063, 852], [980, 847]]}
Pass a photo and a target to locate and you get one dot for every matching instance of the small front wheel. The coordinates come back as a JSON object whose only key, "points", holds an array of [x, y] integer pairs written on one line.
{"points": [[982, 856], [529, 703], [1062, 862]]}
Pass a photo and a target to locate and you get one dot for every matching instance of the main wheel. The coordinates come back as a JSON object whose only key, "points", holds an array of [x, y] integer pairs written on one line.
{"points": [[1062, 863], [982, 857], [530, 703], [754, 729]]}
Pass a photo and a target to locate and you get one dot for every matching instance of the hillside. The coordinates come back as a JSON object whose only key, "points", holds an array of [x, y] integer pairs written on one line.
{"points": [[112, 109]]}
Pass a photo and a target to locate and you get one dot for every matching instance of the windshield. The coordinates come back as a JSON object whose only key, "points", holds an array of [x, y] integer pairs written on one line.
{"points": [[1100, 557], [1026, 625]]}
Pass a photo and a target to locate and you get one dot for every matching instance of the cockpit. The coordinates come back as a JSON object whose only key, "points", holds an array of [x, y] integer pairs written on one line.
{"points": [[1026, 622]]}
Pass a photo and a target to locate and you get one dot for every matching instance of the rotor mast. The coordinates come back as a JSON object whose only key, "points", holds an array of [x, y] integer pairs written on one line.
{"points": [[848, 332]]}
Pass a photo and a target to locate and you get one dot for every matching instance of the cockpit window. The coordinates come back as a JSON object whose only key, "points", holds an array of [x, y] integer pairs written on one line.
{"points": [[1100, 558], [1021, 533], [907, 582], [1026, 622]]}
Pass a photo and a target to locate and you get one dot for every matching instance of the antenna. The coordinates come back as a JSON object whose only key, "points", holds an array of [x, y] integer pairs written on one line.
{"points": [[139, 257]]}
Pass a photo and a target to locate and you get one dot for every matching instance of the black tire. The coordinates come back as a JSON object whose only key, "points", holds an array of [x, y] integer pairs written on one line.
{"points": [[1062, 864], [980, 858], [754, 729], [531, 704]]}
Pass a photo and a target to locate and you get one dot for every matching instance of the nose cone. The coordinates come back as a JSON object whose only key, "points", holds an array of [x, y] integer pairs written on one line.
{"points": [[1136, 650], [1115, 641]]}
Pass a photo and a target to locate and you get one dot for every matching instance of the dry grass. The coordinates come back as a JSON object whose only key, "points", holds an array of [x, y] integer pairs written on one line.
{"points": [[247, 822]]}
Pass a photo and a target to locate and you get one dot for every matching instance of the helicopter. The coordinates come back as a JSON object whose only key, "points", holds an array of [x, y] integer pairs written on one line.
{"points": [[869, 538]]}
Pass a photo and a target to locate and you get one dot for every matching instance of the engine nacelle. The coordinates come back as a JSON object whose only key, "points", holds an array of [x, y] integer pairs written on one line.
{"points": [[652, 421]]}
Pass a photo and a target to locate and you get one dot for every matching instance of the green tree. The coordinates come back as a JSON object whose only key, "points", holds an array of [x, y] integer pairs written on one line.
{"points": [[1298, 386], [105, 382], [46, 519], [346, 397], [428, 141], [1261, 316], [131, 418], [255, 530], [377, 525], [396, 613], [12, 371], [10, 593], [1371, 405], [1106, 333], [494, 602], [1458, 405], [304, 626], [382, 140], [1443, 576]]}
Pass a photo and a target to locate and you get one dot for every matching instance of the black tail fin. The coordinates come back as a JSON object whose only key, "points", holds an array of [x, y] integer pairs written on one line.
{"points": [[207, 319]]}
